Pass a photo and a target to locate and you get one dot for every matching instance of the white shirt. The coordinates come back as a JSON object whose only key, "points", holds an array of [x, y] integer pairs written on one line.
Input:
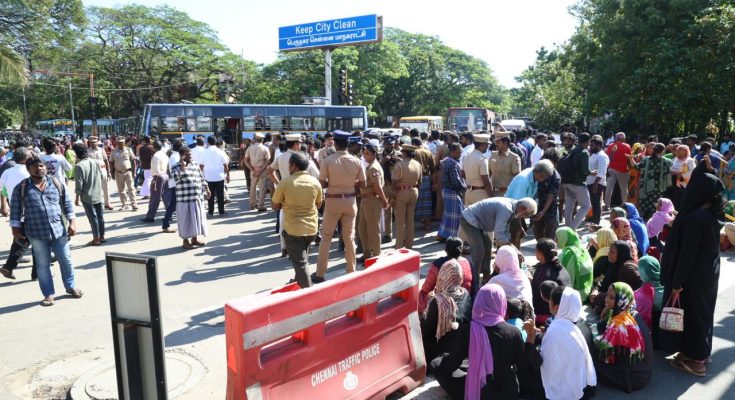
{"points": [[536, 155], [598, 162], [172, 161], [214, 159], [196, 154], [313, 170], [159, 163], [12, 177], [56, 165]]}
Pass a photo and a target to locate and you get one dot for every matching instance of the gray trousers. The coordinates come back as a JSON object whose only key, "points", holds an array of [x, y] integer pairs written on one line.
{"points": [[297, 248], [616, 178], [480, 251], [574, 195]]}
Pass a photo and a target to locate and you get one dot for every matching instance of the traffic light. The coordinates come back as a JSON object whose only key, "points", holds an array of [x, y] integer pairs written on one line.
{"points": [[343, 81], [349, 100]]}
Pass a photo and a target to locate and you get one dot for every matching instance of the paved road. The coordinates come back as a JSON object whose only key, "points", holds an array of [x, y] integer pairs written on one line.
{"points": [[44, 350]]}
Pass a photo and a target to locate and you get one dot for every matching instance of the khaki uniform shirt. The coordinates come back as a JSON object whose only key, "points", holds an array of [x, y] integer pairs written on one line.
{"points": [[98, 154], [503, 167], [426, 159], [373, 173], [474, 166], [123, 159], [259, 156], [298, 195], [341, 171], [407, 172]]}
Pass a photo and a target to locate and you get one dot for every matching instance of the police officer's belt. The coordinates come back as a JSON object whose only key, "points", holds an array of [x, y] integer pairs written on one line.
{"points": [[340, 195]]}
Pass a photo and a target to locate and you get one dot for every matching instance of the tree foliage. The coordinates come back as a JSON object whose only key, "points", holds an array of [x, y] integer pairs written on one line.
{"points": [[142, 54]]}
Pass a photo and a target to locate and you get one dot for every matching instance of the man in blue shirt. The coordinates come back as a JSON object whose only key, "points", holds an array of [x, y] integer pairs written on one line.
{"points": [[41, 202]]}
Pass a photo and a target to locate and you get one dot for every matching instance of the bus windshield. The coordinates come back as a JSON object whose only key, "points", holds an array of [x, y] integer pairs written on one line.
{"points": [[462, 120]]}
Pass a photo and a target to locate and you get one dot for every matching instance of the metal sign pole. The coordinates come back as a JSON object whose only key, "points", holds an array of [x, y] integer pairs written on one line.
{"points": [[328, 74]]}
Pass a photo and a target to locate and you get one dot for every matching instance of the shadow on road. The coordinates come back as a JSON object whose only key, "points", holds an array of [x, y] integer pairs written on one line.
{"points": [[201, 326]]}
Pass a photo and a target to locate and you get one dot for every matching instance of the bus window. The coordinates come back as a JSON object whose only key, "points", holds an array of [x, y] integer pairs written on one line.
{"points": [[154, 124], [275, 123], [285, 123], [170, 124], [191, 125], [248, 124], [299, 123], [172, 111], [320, 124], [203, 124], [357, 123]]}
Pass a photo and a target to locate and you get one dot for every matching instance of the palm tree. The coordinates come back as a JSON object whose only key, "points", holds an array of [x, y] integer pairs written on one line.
{"points": [[13, 67]]}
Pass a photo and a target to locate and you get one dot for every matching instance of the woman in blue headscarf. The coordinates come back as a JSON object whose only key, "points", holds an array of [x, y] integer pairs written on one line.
{"points": [[638, 226]]}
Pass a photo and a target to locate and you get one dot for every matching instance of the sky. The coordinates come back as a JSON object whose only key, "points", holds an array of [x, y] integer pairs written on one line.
{"points": [[504, 33]]}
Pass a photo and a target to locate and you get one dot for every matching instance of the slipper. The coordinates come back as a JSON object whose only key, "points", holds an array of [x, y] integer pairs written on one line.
{"points": [[684, 367], [103, 241], [75, 293], [188, 246], [198, 243], [47, 302], [93, 243], [682, 357]]}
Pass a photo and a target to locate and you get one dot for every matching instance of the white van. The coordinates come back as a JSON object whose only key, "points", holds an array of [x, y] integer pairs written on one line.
{"points": [[513, 124]]}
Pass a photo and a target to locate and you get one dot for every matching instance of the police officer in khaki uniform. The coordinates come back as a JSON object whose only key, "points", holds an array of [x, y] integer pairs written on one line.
{"points": [[341, 174], [123, 163], [504, 164], [390, 158], [477, 172], [372, 202], [256, 159], [406, 179]]}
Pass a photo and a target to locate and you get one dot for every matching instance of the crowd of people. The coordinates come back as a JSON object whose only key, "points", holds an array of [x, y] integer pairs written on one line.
{"points": [[493, 324]]}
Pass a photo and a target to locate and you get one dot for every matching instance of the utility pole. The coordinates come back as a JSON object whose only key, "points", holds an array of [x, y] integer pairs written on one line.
{"points": [[328, 74], [25, 108], [92, 99], [242, 65], [71, 106]]}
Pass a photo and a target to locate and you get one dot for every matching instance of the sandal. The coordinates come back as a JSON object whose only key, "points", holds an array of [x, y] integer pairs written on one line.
{"points": [[684, 366], [75, 293], [93, 243], [7, 273], [47, 302], [198, 243], [187, 245]]}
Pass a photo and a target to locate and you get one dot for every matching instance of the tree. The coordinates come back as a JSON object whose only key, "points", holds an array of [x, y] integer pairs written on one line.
{"points": [[550, 92]]}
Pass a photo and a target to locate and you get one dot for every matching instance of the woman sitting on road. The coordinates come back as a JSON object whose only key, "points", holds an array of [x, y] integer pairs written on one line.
{"points": [[511, 277], [549, 268], [453, 248], [621, 268], [624, 348], [445, 329], [576, 260]]}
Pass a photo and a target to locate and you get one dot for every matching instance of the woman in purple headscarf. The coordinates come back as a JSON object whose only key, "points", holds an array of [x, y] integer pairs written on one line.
{"points": [[495, 348]]}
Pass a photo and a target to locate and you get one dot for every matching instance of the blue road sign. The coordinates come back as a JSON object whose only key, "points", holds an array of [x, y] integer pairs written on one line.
{"points": [[332, 33]]}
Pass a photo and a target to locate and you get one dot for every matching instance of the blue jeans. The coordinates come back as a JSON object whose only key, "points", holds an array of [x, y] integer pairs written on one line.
{"points": [[169, 193], [96, 218], [42, 254]]}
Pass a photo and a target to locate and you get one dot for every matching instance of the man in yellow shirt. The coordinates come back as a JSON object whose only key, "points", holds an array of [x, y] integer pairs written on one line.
{"points": [[299, 196]]}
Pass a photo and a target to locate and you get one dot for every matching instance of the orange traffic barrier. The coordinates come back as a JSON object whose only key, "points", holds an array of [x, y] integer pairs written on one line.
{"points": [[354, 337]]}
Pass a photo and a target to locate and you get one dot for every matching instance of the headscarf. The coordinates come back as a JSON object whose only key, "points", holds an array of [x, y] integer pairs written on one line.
{"points": [[488, 310], [703, 188], [514, 282], [576, 260], [567, 367], [605, 237], [660, 218], [622, 229], [638, 225], [622, 336], [650, 272], [447, 293], [620, 212]]}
